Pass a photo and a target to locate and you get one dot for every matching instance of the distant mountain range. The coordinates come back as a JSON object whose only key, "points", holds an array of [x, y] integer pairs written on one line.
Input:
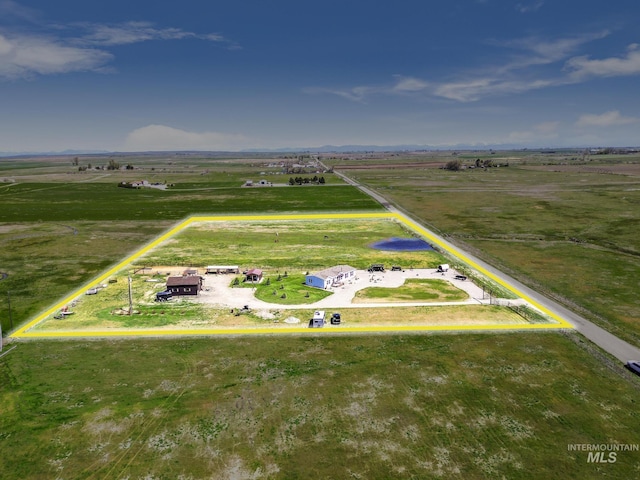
{"points": [[51, 154], [322, 149]]}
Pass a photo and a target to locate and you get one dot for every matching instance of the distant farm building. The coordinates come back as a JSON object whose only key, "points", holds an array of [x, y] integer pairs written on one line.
{"points": [[190, 272], [223, 269], [186, 285], [254, 275], [330, 276]]}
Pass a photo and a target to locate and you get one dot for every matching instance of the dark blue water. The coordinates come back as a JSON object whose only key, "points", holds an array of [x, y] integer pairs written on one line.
{"points": [[401, 244]]}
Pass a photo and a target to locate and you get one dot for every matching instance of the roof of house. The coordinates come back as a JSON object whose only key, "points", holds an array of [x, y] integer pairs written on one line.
{"points": [[189, 281], [333, 271], [254, 271]]}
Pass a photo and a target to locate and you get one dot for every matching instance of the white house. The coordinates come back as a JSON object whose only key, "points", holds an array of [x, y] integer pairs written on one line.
{"points": [[330, 276]]}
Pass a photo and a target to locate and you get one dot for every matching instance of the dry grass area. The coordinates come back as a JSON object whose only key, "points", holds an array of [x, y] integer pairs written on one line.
{"points": [[368, 407], [213, 318]]}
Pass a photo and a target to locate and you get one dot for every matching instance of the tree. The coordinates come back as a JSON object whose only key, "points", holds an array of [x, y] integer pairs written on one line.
{"points": [[113, 165], [291, 181], [321, 181], [453, 165]]}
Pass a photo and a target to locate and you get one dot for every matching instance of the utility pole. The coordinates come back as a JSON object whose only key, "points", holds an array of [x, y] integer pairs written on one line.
{"points": [[10, 317], [130, 298]]}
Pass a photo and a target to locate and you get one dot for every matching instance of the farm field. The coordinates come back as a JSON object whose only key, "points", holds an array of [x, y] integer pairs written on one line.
{"points": [[377, 406], [564, 226]]}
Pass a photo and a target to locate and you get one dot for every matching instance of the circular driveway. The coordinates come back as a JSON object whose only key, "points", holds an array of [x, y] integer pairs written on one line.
{"points": [[217, 291]]}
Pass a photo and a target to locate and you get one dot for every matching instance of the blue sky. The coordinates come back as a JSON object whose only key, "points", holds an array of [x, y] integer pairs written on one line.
{"points": [[209, 75]]}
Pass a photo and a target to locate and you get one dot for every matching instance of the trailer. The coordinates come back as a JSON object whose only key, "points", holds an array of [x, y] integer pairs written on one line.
{"points": [[318, 319]]}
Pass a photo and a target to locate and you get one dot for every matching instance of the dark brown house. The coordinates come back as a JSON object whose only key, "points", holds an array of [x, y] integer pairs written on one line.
{"points": [[189, 285]]}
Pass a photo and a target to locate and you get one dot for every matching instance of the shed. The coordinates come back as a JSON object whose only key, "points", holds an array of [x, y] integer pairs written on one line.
{"points": [[254, 275], [189, 285], [330, 276], [190, 272]]}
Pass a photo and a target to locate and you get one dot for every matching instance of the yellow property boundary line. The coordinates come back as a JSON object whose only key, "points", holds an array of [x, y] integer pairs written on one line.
{"points": [[23, 332]]}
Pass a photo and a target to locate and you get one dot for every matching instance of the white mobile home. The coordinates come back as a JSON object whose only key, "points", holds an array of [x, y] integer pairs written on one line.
{"points": [[330, 276]]}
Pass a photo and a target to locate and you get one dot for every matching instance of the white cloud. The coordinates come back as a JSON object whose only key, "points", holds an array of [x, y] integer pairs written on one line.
{"points": [[163, 138], [515, 75], [475, 89], [134, 32], [403, 85], [532, 7], [25, 56], [409, 84], [607, 119], [355, 94], [582, 67], [57, 48]]}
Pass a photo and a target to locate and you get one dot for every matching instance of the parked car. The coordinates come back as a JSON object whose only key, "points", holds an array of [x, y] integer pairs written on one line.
{"points": [[163, 296], [634, 366], [335, 319], [396, 268]]}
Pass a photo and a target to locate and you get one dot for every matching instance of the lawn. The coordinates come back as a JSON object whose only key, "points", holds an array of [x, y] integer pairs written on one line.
{"points": [[288, 290], [413, 290]]}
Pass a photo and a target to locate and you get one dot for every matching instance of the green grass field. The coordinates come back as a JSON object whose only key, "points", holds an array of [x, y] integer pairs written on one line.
{"points": [[281, 245], [376, 407]]}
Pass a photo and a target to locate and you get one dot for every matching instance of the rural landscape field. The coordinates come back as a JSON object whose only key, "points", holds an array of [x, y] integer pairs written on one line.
{"points": [[485, 405]]}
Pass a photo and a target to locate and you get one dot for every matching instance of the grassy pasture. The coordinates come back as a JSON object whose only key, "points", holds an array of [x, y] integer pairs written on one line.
{"points": [[380, 406], [279, 246], [45, 261], [568, 230]]}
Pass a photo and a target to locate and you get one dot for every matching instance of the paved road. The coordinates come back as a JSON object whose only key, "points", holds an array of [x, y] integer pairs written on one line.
{"points": [[620, 349]]}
